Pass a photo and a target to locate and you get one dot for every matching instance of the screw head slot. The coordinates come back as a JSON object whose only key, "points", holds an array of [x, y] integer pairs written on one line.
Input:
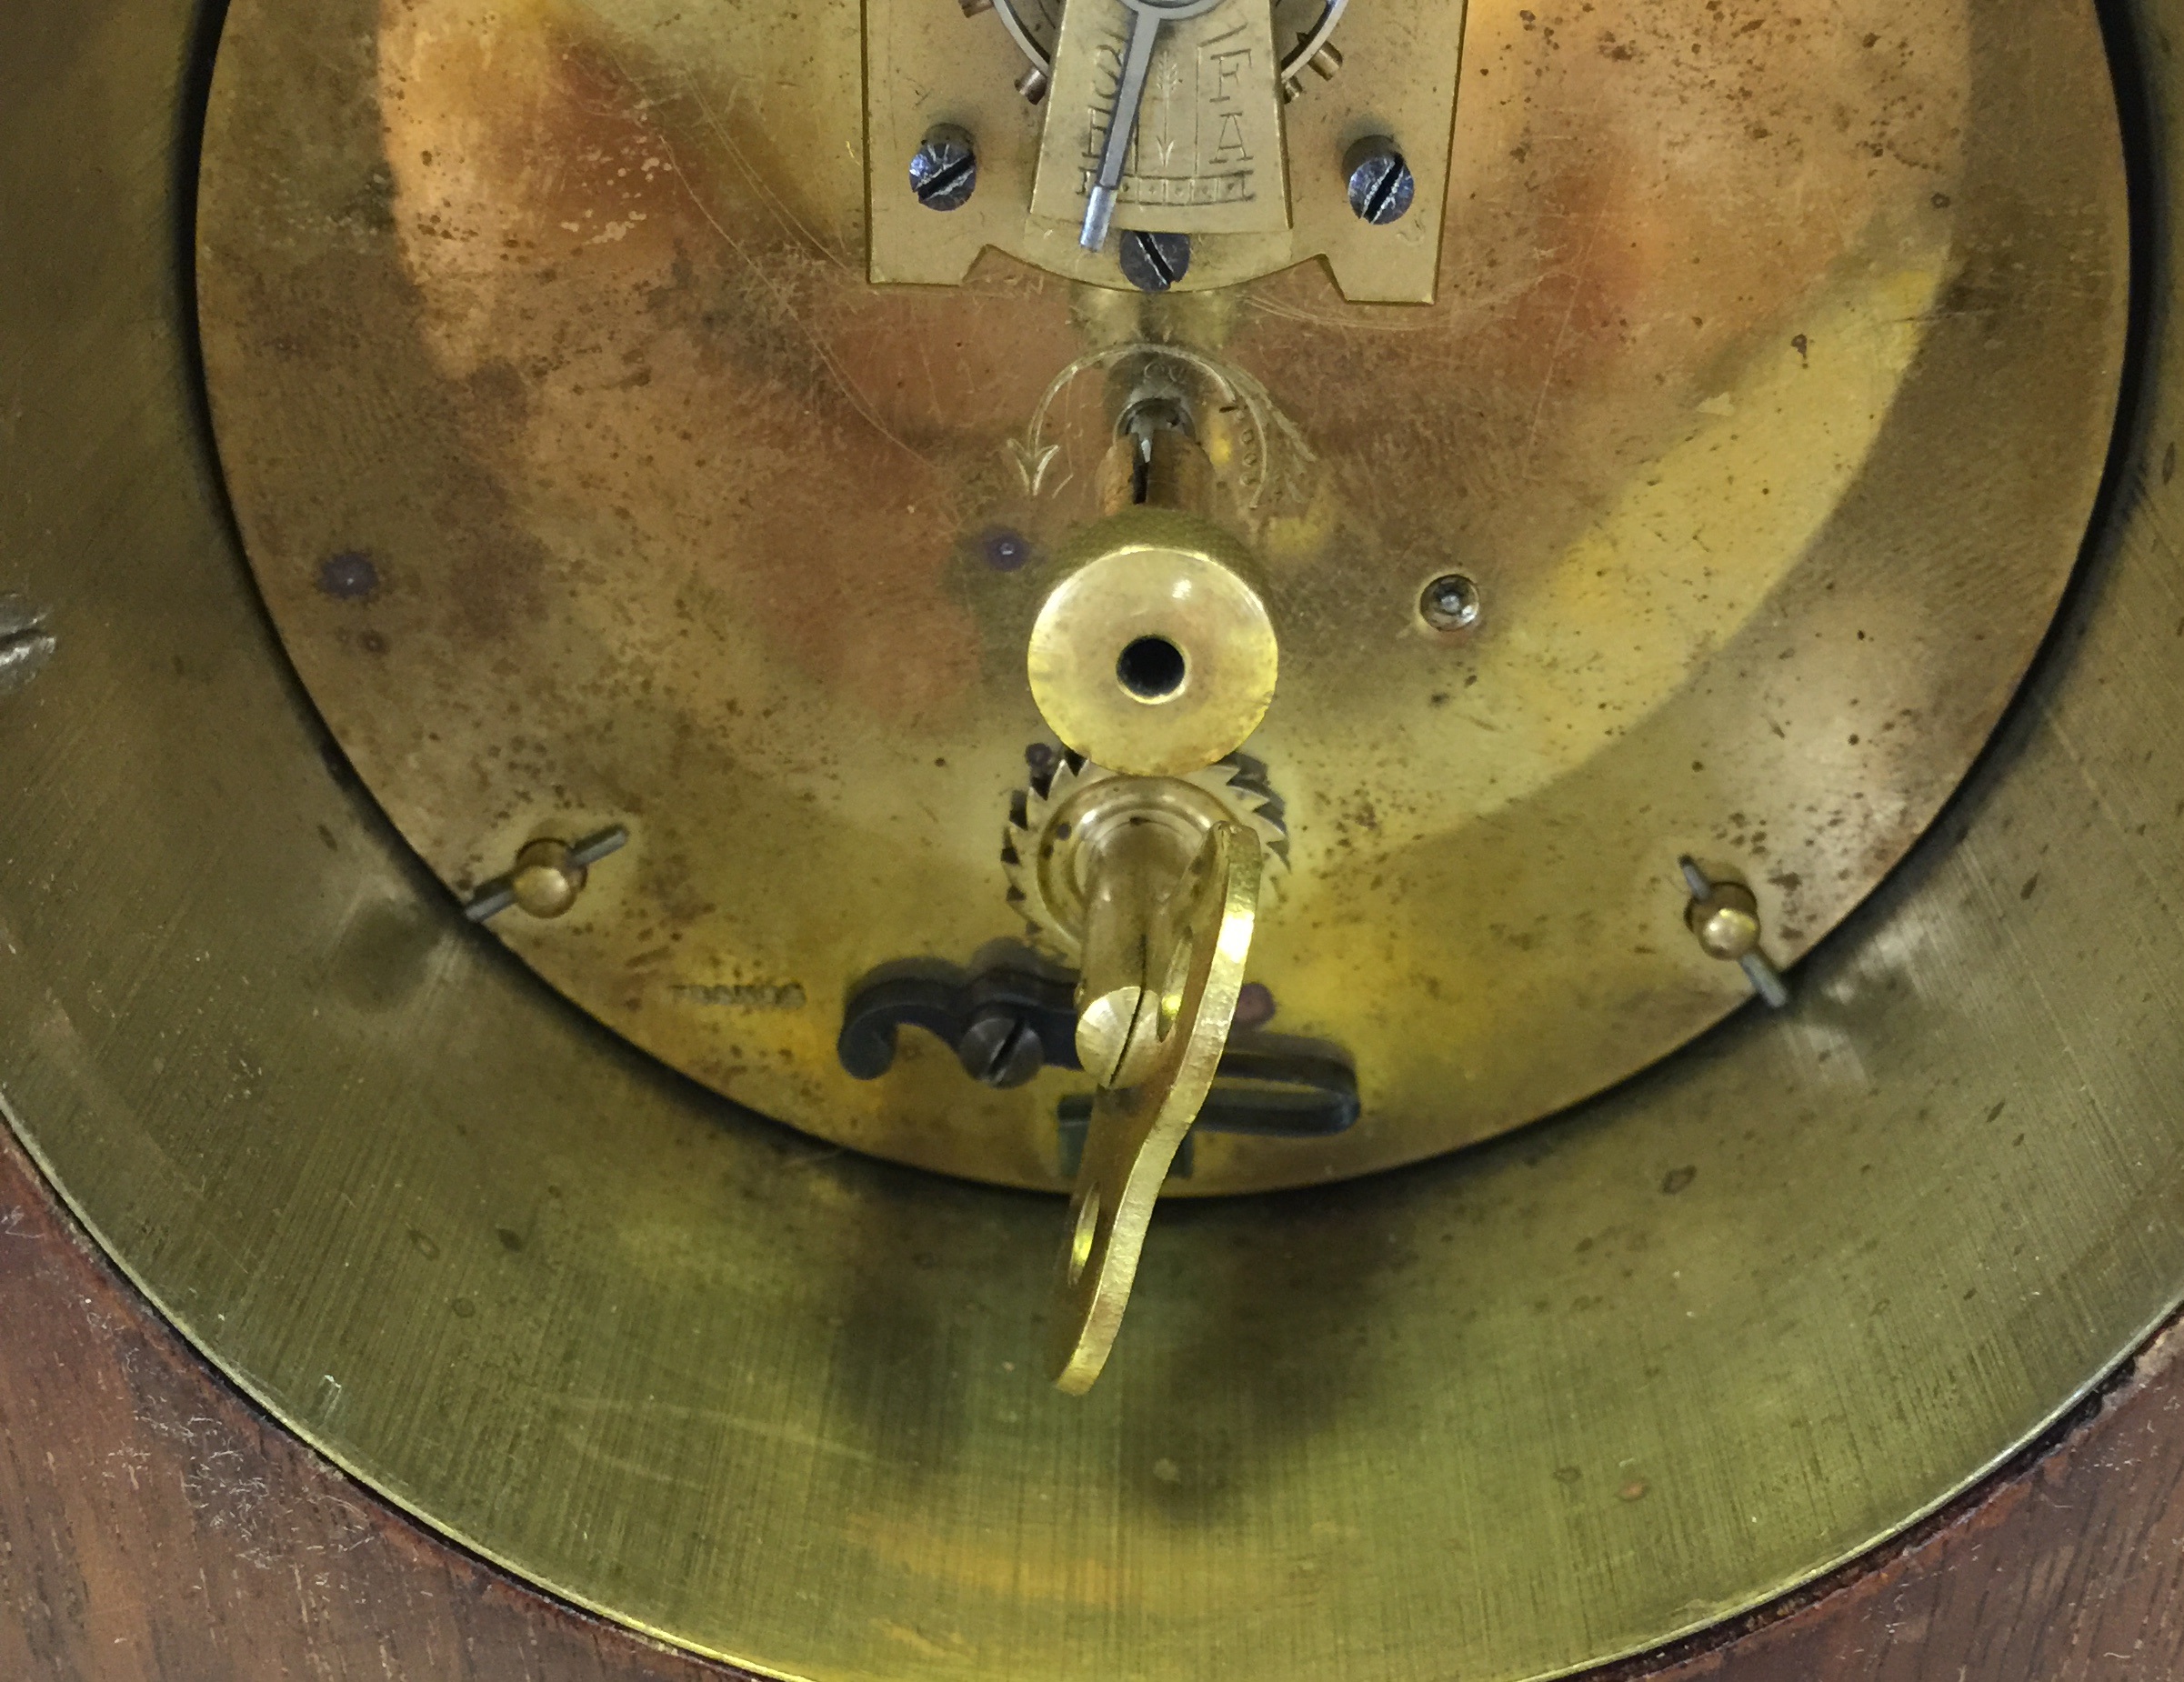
{"points": [[1155, 261], [943, 170], [1381, 185]]}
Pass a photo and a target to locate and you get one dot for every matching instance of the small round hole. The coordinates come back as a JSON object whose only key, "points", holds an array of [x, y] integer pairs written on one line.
{"points": [[1151, 668], [1082, 1235]]}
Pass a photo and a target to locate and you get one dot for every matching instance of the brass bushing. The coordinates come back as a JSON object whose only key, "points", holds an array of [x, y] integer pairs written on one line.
{"points": [[1153, 657]]}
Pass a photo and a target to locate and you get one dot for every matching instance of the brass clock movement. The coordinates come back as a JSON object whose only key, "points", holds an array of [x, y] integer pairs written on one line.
{"points": [[837, 688]]}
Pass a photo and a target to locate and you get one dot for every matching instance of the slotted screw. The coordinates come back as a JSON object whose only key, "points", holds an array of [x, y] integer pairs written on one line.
{"points": [[1155, 261], [943, 170], [1001, 1050], [1381, 185]]}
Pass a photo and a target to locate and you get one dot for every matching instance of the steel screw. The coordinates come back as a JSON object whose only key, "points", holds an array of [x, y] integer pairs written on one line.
{"points": [[1155, 261], [1033, 84], [1001, 1051], [1450, 602], [1380, 182], [1725, 919], [943, 171]]}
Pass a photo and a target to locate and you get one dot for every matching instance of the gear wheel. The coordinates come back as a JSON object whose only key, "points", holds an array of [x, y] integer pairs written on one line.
{"points": [[1038, 849]]}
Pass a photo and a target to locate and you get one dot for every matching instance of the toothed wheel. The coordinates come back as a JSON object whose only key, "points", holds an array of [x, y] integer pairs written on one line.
{"points": [[1049, 819]]}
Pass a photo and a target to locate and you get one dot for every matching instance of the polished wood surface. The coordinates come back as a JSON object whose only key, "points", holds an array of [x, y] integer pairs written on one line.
{"points": [[154, 1525]]}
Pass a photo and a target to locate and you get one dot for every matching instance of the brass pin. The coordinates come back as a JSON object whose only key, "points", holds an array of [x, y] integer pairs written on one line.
{"points": [[549, 875], [1725, 918]]}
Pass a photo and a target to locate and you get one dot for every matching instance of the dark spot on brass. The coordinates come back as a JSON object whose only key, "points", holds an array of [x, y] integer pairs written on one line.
{"points": [[349, 577], [384, 956], [1254, 1005], [1006, 551]]}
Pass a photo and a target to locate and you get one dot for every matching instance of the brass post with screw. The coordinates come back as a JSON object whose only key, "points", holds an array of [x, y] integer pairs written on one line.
{"points": [[1725, 918], [548, 876]]}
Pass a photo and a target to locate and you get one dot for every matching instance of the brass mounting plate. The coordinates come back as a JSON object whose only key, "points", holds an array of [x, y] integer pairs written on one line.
{"points": [[1766, 408], [1500, 1417], [931, 65]]}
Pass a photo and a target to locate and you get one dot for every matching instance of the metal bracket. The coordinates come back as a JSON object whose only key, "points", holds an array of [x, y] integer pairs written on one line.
{"points": [[931, 64], [1268, 1087]]}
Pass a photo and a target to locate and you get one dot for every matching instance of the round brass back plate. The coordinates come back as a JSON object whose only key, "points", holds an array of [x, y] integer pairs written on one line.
{"points": [[1495, 1417], [591, 482]]}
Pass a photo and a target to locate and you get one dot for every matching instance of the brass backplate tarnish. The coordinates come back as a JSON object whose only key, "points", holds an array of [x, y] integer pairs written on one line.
{"points": [[591, 482], [1493, 1417]]}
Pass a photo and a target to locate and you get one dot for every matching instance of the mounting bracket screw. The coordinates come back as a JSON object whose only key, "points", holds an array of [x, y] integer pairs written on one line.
{"points": [[1001, 1050], [1380, 182], [1155, 261], [943, 170]]}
